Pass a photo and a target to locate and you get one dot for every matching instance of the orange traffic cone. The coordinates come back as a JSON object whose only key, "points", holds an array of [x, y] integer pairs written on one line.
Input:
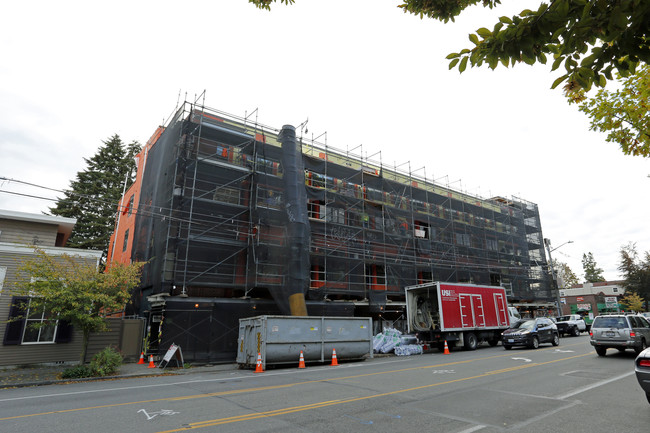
{"points": [[334, 360], [446, 352], [258, 366], [141, 361], [301, 363], [151, 364]]}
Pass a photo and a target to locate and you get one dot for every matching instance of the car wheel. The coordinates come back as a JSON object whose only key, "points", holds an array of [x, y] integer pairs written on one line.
{"points": [[534, 344], [575, 332], [493, 342], [556, 340], [647, 396], [621, 349], [601, 351], [641, 348], [471, 342], [507, 346]]}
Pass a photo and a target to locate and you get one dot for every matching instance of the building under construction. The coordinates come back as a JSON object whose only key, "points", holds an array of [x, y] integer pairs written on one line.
{"points": [[237, 219]]}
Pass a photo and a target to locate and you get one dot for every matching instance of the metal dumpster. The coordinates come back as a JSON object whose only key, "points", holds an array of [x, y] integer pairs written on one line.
{"points": [[279, 339]]}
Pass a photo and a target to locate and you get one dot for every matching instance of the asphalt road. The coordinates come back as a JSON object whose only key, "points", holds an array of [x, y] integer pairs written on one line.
{"points": [[551, 389]]}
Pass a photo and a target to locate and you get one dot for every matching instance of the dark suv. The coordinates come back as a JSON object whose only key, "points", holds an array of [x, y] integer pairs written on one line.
{"points": [[619, 331], [531, 332]]}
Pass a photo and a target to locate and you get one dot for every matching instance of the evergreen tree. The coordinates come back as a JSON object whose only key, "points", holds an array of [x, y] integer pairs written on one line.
{"points": [[635, 271], [94, 196], [593, 274]]}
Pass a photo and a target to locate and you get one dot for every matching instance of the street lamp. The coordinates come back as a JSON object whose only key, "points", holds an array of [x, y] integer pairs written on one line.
{"points": [[547, 243]]}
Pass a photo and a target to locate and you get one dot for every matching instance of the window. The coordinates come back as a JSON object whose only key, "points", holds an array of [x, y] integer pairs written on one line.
{"points": [[40, 327], [19, 331], [3, 273], [130, 206], [126, 240], [615, 289], [226, 195], [462, 239], [316, 209]]}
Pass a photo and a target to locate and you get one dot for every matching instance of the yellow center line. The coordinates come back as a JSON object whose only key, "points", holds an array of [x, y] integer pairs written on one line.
{"points": [[265, 388], [284, 411]]}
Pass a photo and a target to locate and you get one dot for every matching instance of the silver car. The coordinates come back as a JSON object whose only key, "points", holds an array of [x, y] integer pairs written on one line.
{"points": [[619, 331], [642, 369]]}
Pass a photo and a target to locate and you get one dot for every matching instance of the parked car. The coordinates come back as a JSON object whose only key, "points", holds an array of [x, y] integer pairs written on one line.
{"points": [[572, 324], [642, 370], [619, 331], [531, 333]]}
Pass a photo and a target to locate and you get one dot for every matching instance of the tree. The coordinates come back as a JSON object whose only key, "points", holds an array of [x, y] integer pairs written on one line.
{"points": [[623, 114], [69, 289], [592, 39], [593, 274], [565, 274], [632, 302], [94, 196], [635, 271]]}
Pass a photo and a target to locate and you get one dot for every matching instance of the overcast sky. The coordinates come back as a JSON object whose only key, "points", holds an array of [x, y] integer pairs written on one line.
{"points": [[73, 73]]}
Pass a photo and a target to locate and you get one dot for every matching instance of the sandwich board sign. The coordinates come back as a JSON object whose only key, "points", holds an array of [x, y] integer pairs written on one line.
{"points": [[175, 352]]}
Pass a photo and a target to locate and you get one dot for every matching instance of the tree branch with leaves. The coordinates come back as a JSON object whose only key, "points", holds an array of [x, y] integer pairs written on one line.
{"points": [[69, 288]]}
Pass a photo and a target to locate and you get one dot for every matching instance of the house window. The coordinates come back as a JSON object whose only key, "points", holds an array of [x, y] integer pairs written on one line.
{"points": [[21, 327], [130, 205], [40, 327], [126, 240], [3, 273], [615, 289]]}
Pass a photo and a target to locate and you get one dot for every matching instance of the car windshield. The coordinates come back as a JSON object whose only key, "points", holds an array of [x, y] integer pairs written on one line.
{"points": [[524, 324], [610, 322], [563, 319]]}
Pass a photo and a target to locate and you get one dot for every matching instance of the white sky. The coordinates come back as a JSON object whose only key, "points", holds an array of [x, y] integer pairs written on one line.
{"points": [[73, 73]]}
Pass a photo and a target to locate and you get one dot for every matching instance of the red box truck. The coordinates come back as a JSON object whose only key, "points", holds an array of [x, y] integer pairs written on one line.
{"points": [[460, 314]]}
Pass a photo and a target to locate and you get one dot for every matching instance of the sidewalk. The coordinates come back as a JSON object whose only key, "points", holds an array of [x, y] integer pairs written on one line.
{"points": [[48, 375]]}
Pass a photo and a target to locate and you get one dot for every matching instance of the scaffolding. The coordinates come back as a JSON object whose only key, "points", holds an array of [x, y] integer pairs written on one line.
{"points": [[214, 221]]}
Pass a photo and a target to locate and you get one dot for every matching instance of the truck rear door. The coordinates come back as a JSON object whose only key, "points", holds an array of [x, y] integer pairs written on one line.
{"points": [[471, 311]]}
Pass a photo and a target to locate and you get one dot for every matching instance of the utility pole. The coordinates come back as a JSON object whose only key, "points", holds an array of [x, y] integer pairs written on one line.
{"points": [[547, 243]]}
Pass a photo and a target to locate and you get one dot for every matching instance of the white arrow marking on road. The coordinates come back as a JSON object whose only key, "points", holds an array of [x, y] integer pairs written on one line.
{"points": [[563, 351], [523, 359]]}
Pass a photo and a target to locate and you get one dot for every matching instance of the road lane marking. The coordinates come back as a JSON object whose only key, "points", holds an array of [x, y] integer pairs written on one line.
{"points": [[266, 374], [247, 390], [523, 359], [594, 385], [284, 411]]}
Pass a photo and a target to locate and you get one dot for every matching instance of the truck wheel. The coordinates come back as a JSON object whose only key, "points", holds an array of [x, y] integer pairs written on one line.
{"points": [[534, 344], [575, 331], [556, 340], [601, 351], [493, 342], [471, 342]]}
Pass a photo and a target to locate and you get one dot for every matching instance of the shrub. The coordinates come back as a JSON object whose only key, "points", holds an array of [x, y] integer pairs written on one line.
{"points": [[76, 372], [106, 362]]}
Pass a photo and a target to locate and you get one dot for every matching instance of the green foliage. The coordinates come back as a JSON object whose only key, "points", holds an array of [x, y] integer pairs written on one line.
{"points": [[76, 372], [632, 301], [593, 274], [565, 273], [72, 289], [591, 39], [105, 363], [94, 196], [623, 114], [635, 270]]}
